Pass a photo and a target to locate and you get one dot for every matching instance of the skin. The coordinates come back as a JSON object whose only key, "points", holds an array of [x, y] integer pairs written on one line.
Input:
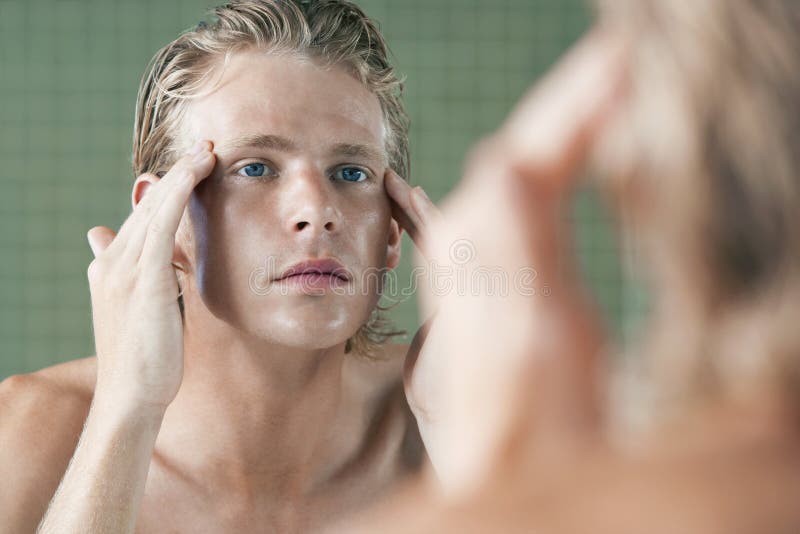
{"points": [[542, 457], [249, 416]]}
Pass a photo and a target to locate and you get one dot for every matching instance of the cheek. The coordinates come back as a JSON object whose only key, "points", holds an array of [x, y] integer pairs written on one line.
{"points": [[368, 223], [225, 254]]}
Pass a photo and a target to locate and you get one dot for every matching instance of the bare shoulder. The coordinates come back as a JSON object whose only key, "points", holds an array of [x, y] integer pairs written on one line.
{"points": [[41, 419], [46, 400]]}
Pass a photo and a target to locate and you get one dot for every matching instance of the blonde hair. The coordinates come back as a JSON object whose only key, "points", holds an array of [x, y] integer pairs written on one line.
{"points": [[713, 126], [334, 32]]}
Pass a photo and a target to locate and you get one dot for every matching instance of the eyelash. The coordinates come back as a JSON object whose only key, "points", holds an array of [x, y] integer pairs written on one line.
{"points": [[268, 167], [271, 172], [367, 175]]}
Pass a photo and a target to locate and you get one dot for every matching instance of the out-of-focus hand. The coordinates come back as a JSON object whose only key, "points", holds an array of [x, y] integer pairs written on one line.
{"points": [[517, 337], [137, 324]]}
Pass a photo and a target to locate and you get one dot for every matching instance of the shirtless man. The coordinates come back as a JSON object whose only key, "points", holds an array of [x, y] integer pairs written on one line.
{"points": [[251, 407]]}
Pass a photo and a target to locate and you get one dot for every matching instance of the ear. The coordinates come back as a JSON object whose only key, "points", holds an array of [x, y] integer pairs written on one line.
{"points": [[141, 187], [393, 245]]}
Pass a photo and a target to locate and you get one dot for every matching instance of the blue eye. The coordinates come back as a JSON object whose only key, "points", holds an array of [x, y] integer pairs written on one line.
{"points": [[351, 174], [253, 170]]}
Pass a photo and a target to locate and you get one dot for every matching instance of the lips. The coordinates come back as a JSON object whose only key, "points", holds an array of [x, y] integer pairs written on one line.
{"points": [[329, 267]]}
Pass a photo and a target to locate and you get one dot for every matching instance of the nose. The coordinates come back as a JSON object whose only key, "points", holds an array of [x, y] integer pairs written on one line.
{"points": [[312, 208]]}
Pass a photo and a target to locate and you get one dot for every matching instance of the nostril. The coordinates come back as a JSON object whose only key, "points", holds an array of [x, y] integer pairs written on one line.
{"points": [[302, 224]]}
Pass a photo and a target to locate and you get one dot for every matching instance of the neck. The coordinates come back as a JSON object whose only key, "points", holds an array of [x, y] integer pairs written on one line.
{"points": [[251, 416]]}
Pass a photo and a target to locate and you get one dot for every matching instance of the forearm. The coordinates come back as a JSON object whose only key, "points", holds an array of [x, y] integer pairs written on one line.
{"points": [[103, 486]]}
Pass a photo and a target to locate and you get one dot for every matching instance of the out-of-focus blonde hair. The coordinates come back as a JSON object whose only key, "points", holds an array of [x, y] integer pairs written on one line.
{"points": [[711, 135], [333, 32]]}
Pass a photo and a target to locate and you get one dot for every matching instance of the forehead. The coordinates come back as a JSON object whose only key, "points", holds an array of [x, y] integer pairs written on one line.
{"points": [[261, 92]]}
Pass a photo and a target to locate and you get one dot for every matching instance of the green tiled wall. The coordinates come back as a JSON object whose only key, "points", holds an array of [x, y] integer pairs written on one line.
{"points": [[69, 71]]}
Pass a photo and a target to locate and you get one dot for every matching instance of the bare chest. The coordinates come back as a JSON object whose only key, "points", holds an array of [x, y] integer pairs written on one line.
{"points": [[172, 506], [177, 502]]}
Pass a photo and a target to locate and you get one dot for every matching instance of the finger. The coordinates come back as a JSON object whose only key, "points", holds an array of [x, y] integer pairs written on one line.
{"points": [[426, 210], [565, 389], [130, 236], [99, 237], [401, 192], [425, 213], [141, 211], [405, 222], [551, 130], [156, 194], [562, 389], [400, 195], [178, 185]]}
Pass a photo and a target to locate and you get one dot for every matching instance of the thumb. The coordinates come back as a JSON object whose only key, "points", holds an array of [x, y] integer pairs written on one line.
{"points": [[100, 237], [553, 129]]}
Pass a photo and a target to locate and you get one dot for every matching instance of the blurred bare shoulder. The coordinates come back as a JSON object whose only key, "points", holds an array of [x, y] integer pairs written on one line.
{"points": [[41, 419]]}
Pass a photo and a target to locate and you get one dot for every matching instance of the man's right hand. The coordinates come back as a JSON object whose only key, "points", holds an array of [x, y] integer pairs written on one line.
{"points": [[138, 329]]}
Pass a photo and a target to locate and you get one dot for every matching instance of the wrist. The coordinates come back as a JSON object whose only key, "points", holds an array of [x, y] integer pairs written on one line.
{"points": [[122, 406]]}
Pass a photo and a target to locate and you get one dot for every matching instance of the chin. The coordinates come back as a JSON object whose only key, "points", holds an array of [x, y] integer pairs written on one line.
{"points": [[310, 323], [311, 340], [308, 333]]}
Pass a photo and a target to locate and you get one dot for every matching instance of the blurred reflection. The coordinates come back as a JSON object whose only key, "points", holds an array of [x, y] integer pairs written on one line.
{"points": [[690, 113]]}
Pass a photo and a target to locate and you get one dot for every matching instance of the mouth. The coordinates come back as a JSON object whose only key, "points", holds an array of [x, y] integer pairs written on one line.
{"points": [[316, 269]]}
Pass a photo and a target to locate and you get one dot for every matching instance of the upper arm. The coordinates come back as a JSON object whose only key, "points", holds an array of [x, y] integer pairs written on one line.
{"points": [[40, 425]]}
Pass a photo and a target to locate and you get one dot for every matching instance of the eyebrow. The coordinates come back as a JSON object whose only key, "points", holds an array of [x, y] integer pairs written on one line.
{"points": [[284, 144], [274, 142], [358, 151]]}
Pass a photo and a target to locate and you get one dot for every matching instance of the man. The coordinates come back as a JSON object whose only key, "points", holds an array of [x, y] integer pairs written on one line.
{"points": [[266, 402], [690, 122]]}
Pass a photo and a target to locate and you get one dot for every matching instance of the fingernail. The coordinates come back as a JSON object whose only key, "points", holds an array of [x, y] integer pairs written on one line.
{"points": [[421, 192], [197, 148], [200, 152], [201, 156]]}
